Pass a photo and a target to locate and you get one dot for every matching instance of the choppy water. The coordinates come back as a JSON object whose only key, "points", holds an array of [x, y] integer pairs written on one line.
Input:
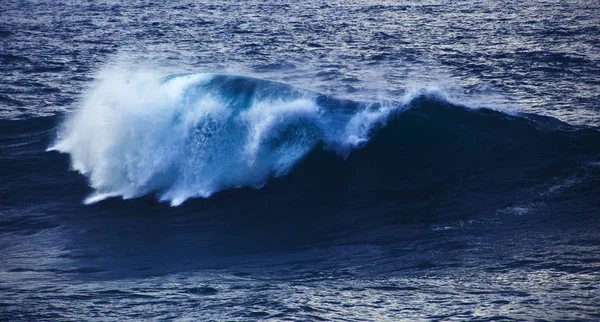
{"points": [[277, 160]]}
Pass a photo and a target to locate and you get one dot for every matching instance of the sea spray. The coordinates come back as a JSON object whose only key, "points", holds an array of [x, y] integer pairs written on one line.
{"points": [[191, 135]]}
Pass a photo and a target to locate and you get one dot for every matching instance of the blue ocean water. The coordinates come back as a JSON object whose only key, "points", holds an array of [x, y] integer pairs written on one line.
{"points": [[286, 161]]}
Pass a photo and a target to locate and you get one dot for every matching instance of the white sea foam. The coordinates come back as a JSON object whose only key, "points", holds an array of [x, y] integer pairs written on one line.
{"points": [[193, 135]]}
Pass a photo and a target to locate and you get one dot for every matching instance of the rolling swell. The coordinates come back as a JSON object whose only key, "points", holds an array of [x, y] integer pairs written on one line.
{"points": [[190, 136]]}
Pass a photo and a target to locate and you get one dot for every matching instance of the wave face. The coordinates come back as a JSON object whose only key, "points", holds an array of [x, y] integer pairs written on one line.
{"points": [[191, 135]]}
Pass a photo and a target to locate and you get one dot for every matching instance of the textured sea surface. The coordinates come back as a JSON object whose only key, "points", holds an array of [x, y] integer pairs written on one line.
{"points": [[300, 161]]}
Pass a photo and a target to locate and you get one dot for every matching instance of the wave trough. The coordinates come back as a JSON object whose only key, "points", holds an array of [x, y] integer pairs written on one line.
{"points": [[191, 135]]}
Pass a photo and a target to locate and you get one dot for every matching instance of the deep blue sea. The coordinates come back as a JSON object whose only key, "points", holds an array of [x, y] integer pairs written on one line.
{"points": [[300, 160]]}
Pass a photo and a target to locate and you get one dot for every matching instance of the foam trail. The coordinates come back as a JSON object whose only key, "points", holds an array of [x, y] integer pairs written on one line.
{"points": [[185, 136]]}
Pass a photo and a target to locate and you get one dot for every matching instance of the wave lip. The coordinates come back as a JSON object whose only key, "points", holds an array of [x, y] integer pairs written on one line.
{"points": [[191, 135]]}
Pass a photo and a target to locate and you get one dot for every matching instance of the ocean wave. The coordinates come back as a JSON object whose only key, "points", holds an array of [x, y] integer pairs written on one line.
{"points": [[192, 135]]}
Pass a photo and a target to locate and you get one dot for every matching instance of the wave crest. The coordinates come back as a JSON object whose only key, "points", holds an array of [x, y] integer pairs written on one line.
{"points": [[191, 135]]}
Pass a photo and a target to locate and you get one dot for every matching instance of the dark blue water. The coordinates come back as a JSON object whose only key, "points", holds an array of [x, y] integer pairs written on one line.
{"points": [[284, 161]]}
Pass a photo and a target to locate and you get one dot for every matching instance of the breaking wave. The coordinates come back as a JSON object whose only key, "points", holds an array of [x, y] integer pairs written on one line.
{"points": [[191, 135]]}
